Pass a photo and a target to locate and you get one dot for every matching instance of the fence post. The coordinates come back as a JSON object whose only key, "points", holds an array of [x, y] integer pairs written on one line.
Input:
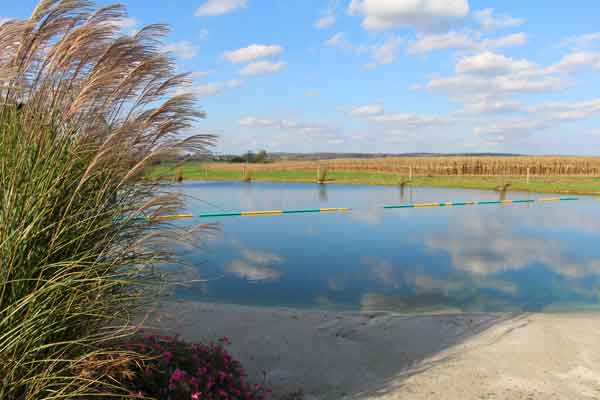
{"points": [[410, 174], [528, 175]]}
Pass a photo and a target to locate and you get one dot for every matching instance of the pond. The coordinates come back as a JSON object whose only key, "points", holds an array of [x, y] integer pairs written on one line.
{"points": [[540, 257]]}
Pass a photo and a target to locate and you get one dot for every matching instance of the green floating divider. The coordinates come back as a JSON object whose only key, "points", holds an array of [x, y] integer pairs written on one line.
{"points": [[226, 214], [399, 206], [310, 210]]}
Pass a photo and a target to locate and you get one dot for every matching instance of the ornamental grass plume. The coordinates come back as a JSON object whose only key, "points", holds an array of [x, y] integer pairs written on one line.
{"points": [[83, 109]]}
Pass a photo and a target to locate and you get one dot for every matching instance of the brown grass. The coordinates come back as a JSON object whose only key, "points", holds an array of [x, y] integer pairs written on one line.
{"points": [[446, 166]]}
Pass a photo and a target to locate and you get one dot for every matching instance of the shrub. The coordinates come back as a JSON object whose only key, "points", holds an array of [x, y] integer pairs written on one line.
{"points": [[176, 370], [83, 109]]}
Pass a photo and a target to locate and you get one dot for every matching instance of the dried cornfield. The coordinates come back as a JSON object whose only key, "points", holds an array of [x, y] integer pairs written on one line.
{"points": [[446, 166]]}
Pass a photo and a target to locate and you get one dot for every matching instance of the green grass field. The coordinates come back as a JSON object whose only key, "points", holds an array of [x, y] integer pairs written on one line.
{"points": [[196, 171]]}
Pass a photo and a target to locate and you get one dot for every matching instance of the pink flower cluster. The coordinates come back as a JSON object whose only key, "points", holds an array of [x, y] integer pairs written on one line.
{"points": [[178, 370]]}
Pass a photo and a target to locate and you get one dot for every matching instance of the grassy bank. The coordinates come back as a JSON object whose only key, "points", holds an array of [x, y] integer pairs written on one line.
{"points": [[271, 173]]}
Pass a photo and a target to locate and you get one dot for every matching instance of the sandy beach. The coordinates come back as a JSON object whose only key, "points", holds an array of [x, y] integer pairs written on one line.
{"points": [[382, 355]]}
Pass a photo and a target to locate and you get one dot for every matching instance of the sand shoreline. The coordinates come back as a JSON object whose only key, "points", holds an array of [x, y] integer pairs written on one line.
{"points": [[383, 355]]}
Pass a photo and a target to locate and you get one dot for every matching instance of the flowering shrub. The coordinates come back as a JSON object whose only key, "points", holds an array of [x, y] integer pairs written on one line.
{"points": [[177, 370]]}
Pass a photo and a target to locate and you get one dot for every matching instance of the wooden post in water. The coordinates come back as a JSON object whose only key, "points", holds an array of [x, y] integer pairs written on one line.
{"points": [[247, 175]]}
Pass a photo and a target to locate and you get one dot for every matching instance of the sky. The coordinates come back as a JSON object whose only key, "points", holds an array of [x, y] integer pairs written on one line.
{"points": [[385, 76]]}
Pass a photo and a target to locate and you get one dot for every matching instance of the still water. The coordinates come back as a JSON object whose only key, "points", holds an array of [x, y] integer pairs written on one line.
{"points": [[529, 257]]}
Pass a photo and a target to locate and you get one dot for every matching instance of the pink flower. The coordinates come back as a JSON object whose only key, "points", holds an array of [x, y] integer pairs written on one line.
{"points": [[225, 340], [168, 356], [196, 396], [177, 375]]}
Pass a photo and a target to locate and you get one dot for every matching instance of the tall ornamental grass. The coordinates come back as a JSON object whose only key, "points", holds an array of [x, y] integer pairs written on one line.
{"points": [[83, 109]]}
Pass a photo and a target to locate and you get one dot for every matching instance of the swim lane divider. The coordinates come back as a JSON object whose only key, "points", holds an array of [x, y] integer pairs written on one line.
{"points": [[344, 209]]}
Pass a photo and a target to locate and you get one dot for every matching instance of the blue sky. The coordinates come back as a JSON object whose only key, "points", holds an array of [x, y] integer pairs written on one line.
{"points": [[386, 75]]}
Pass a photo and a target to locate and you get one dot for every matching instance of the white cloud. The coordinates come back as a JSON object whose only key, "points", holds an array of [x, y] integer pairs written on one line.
{"points": [[336, 40], [432, 42], [515, 39], [262, 68], [405, 120], [258, 122], [484, 82], [542, 116], [328, 17], [214, 88], [200, 74], [582, 41], [251, 53], [125, 24], [325, 21], [489, 22], [219, 7], [387, 52], [297, 130], [426, 43], [420, 14], [4, 19], [367, 110], [498, 85], [503, 129], [567, 111], [184, 50], [203, 34], [494, 75], [489, 63], [312, 93], [577, 60], [488, 104], [339, 40]]}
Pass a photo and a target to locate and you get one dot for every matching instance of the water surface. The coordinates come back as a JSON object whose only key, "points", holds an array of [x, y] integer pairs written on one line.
{"points": [[529, 257]]}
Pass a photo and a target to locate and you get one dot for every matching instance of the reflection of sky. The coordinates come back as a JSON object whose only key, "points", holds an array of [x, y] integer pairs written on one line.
{"points": [[530, 257]]}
